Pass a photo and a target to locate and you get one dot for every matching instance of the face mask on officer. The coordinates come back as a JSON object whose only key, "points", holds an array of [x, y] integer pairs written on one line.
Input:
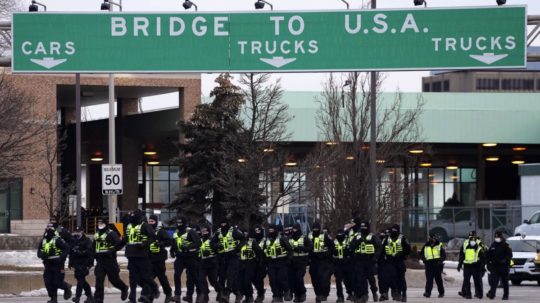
{"points": [[272, 233], [258, 233], [394, 233], [498, 240], [49, 233], [472, 243], [316, 232], [101, 226], [340, 237], [153, 223], [180, 224], [296, 233], [205, 234], [77, 235]]}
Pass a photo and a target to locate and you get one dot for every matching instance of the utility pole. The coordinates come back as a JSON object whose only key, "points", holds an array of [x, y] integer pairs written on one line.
{"points": [[373, 145]]}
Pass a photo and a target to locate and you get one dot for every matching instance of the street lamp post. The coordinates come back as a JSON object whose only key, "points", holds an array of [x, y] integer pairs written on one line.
{"points": [[373, 145], [112, 203], [260, 4], [34, 7]]}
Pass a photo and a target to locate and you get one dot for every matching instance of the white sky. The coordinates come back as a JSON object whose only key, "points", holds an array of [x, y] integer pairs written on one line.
{"points": [[405, 81]]}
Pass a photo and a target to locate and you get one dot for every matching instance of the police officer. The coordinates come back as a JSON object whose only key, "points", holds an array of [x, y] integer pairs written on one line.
{"points": [[386, 272], [277, 249], [190, 282], [249, 253], [81, 258], [139, 236], [208, 268], [351, 229], [54, 251], [106, 243], [260, 273], [433, 256], [499, 258], [320, 268], [364, 248], [340, 255], [397, 249], [186, 251], [228, 239], [471, 259], [301, 246], [158, 255]]}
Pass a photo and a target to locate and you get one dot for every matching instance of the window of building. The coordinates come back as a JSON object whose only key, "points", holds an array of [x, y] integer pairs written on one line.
{"points": [[518, 84], [436, 86], [487, 84], [161, 184], [446, 85], [426, 87]]}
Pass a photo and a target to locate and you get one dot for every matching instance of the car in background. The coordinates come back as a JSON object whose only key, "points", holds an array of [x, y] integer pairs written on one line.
{"points": [[524, 250], [529, 227]]}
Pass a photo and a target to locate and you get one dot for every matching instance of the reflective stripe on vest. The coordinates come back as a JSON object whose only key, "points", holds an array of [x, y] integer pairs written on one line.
{"points": [[318, 243], [181, 240], [339, 249], [247, 253], [471, 255], [47, 246], [392, 248], [433, 253], [273, 249], [102, 246], [227, 242], [365, 248], [296, 244], [206, 251], [134, 235]]}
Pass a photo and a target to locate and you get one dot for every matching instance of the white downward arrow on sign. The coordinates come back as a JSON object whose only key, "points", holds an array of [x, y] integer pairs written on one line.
{"points": [[48, 62], [278, 61], [488, 58]]}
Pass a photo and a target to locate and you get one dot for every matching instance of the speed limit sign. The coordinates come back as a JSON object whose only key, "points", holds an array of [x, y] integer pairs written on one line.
{"points": [[111, 179]]}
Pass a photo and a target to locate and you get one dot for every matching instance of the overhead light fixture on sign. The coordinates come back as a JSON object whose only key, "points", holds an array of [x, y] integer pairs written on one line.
{"points": [[420, 2], [188, 4], [501, 2], [34, 7], [260, 4]]}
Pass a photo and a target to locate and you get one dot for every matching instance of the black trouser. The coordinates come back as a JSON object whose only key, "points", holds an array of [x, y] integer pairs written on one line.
{"points": [[387, 277], [260, 274], [228, 272], [191, 265], [140, 272], [247, 276], [363, 270], [80, 274], [278, 274], [320, 270], [159, 270], [107, 267], [208, 269], [190, 284], [474, 271], [340, 272], [297, 271], [434, 272], [401, 282], [349, 276], [53, 276], [499, 275]]}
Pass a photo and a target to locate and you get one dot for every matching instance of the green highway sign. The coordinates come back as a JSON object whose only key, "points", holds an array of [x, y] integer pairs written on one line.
{"points": [[272, 41]]}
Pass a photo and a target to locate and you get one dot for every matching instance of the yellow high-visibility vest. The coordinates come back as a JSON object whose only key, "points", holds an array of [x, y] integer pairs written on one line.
{"points": [[102, 245], [432, 253], [472, 255], [318, 243]]}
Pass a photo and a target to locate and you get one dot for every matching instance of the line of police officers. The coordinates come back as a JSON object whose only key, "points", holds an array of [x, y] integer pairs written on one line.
{"points": [[234, 260]]}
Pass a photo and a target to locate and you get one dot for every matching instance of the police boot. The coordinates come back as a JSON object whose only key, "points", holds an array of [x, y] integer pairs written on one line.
{"points": [[259, 299], [288, 296], [124, 294], [76, 299], [375, 297], [301, 298], [351, 298], [340, 300], [277, 300], [238, 298], [168, 299], [384, 297], [187, 299], [200, 298], [225, 296], [404, 298], [89, 299], [248, 299], [396, 296], [67, 292]]}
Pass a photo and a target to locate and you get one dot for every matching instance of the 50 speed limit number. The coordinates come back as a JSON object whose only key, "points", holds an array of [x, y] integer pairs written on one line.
{"points": [[111, 179]]}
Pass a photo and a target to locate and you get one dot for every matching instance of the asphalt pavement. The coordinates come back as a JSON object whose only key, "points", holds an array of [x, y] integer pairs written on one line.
{"points": [[523, 294]]}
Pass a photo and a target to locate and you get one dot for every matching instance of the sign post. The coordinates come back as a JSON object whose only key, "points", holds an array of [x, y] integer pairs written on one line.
{"points": [[111, 180], [275, 41]]}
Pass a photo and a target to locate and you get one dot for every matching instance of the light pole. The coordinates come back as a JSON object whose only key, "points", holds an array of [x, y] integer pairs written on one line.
{"points": [[373, 145], [188, 4], [260, 4], [112, 203], [34, 7]]}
